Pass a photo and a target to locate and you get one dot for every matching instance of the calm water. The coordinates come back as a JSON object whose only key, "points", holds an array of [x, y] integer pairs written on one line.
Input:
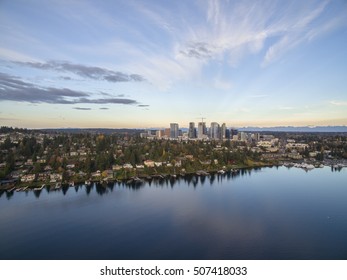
{"points": [[261, 214]]}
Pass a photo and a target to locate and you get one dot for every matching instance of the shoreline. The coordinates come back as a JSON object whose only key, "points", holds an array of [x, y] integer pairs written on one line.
{"points": [[139, 179]]}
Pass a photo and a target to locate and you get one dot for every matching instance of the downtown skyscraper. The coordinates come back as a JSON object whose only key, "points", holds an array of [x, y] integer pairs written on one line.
{"points": [[192, 130], [174, 130]]}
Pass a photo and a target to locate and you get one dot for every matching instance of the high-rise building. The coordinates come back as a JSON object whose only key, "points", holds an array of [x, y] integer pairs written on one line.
{"points": [[167, 132], [174, 130], [227, 134], [223, 131], [159, 133], [202, 130], [191, 130], [214, 131], [243, 136]]}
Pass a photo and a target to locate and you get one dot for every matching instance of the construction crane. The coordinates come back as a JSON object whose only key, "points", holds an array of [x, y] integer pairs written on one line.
{"points": [[202, 119]]}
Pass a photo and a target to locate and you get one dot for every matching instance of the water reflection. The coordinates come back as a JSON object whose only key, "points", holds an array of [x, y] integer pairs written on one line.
{"points": [[276, 214], [137, 184], [9, 194], [157, 181], [37, 193]]}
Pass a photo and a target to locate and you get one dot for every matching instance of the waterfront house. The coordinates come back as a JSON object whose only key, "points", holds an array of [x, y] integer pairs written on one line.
{"points": [[149, 163], [127, 166], [27, 178], [55, 177], [116, 167]]}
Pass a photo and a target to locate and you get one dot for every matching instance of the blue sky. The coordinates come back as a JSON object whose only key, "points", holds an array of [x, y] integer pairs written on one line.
{"points": [[142, 64]]}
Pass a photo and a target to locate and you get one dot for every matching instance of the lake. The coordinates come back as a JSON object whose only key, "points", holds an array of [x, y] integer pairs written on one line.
{"points": [[268, 213]]}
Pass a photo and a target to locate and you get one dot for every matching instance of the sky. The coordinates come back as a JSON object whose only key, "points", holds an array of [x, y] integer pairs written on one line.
{"points": [[144, 64]]}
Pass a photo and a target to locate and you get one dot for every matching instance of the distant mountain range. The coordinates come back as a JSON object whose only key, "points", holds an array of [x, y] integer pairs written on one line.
{"points": [[296, 129]]}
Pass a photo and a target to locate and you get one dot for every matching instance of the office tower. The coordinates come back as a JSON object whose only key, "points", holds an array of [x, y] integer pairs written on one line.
{"points": [[202, 130], [167, 132], [214, 131], [227, 134], [159, 133], [174, 130], [191, 130], [223, 132]]}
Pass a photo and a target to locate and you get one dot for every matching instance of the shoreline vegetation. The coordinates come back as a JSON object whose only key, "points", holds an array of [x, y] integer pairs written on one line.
{"points": [[132, 178], [127, 177], [33, 160]]}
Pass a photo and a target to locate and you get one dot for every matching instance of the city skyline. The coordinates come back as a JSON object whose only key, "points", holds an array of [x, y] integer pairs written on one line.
{"points": [[140, 64]]}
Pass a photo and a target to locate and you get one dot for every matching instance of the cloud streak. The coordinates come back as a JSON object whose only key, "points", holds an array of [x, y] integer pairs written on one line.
{"points": [[14, 89], [82, 108], [90, 72], [338, 103], [224, 33], [200, 50], [236, 29]]}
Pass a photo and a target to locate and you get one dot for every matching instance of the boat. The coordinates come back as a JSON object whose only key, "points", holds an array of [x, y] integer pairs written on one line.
{"points": [[307, 166], [202, 173], [39, 188]]}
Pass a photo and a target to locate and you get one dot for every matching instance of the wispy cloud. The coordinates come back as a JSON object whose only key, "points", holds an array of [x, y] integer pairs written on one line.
{"points": [[285, 108], [200, 50], [14, 89], [82, 108], [303, 29], [222, 84], [66, 78], [180, 40], [8, 54], [230, 31], [104, 108], [235, 29], [91, 72], [338, 103]]}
